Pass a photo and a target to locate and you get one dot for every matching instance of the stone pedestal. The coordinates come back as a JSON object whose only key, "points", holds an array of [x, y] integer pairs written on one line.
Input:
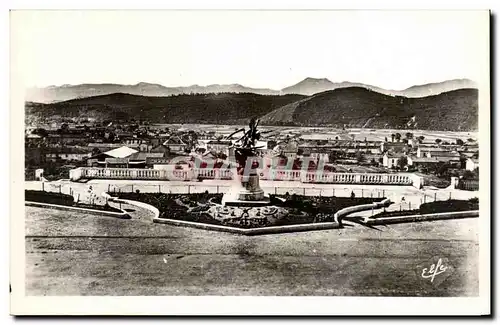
{"points": [[247, 192], [250, 190]]}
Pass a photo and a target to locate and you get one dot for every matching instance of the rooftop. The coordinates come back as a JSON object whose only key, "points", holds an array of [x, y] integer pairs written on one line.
{"points": [[423, 159], [121, 152], [144, 155], [174, 140]]}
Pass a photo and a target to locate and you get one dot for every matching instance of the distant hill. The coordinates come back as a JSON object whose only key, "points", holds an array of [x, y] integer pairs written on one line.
{"points": [[200, 108], [311, 86], [66, 92], [437, 88], [308, 86], [361, 107]]}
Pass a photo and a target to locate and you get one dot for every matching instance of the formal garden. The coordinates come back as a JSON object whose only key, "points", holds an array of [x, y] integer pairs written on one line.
{"points": [[282, 210]]}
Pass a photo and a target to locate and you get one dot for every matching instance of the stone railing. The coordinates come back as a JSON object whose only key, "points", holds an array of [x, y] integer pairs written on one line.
{"points": [[209, 173], [357, 178], [130, 173], [276, 175], [340, 178], [280, 174]]}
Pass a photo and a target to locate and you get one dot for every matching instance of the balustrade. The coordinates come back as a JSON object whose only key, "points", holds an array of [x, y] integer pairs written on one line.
{"points": [[293, 175]]}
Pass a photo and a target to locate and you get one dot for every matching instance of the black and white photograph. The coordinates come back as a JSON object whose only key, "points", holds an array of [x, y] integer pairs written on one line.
{"points": [[228, 154]]}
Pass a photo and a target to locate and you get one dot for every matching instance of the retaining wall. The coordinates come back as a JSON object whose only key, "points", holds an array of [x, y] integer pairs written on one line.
{"points": [[143, 205], [357, 208], [252, 231]]}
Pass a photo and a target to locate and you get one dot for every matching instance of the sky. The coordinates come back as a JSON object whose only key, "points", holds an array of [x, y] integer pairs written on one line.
{"points": [[261, 49]]}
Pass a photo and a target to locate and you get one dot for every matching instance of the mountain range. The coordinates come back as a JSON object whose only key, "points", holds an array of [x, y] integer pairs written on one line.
{"points": [[307, 87], [455, 110]]}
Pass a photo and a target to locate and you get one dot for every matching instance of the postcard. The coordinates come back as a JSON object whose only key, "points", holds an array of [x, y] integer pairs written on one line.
{"points": [[250, 162]]}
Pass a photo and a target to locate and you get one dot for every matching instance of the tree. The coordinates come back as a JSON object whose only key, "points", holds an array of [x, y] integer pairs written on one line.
{"points": [[398, 136], [441, 169], [438, 141], [470, 140], [385, 139], [360, 157], [110, 136], [421, 139], [402, 162], [468, 175], [95, 151], [409, 135], [64, 127], [392, 137], [460, 142], [41, 132], [221, 155], [336, 138]]}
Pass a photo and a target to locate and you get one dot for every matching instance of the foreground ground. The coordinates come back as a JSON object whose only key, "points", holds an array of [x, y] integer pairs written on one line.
{"points": [[75, 254]]}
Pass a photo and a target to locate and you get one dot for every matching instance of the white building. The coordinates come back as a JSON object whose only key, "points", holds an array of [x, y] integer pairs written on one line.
{"points": [[471, 164], [390, 160]]}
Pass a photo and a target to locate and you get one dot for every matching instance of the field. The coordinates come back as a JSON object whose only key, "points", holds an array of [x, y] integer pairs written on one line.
{"points": [[325, 133], [76, 254]]}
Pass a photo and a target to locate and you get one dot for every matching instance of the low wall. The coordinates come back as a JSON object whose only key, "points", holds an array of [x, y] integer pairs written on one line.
{"points": [[122, 215], [423, 217], [252, 231], [357, 208]]}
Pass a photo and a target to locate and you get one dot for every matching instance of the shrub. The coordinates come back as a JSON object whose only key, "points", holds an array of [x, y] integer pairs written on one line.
{"points": [[448, 206], [474, 200], [48, 197]]}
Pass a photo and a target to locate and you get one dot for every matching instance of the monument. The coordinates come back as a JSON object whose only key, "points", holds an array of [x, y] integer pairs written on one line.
{"points": [[246, 190], [246, 203]]}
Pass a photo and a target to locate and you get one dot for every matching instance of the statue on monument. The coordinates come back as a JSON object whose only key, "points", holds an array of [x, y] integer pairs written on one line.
{"points": [[245, 146]]}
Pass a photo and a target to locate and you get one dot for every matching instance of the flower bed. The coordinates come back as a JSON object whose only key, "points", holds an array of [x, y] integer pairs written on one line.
{"points": [[63, 199], [195, 208]]}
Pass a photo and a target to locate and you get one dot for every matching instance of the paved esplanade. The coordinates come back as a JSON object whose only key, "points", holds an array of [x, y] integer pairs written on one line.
{"points": [[71, 253]]}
